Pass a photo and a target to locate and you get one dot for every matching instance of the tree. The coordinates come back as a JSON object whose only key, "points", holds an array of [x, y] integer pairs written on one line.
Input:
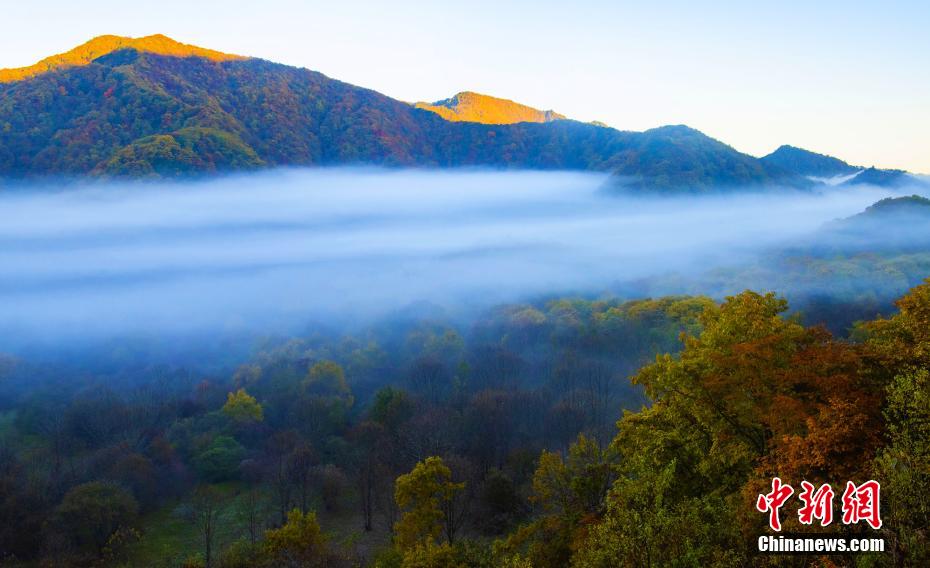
{"points": [[369, 439], [391, 408], [243, 408], [426, 499], [300, 466], [279, 447], [571, 493], [903, 466], [299, 543], [251, 513], [24, 507], [91, 512], [206, 515], [578, 485], [332, 482], [326, 400], [220, 461], [428, 554], [429, 378], [326, 378]]}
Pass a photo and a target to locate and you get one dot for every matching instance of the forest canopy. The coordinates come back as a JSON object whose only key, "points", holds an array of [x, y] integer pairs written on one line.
{"points": [[519, 442]]}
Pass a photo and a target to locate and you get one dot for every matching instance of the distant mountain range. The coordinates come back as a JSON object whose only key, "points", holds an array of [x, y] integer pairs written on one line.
{"points": [[823, 167], [475, 107], [153, 107]]}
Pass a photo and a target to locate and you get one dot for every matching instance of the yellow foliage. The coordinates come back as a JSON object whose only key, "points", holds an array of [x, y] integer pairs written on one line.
{"points": [[428, 554], [423, 495], [242, 407], [299, 542]]}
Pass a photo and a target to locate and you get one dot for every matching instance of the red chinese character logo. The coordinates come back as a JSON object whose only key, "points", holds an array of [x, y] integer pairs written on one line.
{"points": [[861, 504], [817, 505], [773, 501]]}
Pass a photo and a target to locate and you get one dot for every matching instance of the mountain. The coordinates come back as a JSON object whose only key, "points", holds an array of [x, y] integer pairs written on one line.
{"points": [[807, 163], [475, 107], [911, 205], [820, 166], [670, 157], [884, 178], [136, 112], [894, 224], [103, 45]]}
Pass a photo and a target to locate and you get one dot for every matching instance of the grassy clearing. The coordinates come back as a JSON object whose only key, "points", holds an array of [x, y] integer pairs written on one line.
{"points": [[168, 538]]}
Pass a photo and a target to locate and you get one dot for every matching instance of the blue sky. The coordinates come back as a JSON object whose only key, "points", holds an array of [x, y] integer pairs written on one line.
{"points": [[846, 78]]}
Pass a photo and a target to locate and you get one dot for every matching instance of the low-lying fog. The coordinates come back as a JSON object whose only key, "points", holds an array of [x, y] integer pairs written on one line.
{"points": [[278, 248]]}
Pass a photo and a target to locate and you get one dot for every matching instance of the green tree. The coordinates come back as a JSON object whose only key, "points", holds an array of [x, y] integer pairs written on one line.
{"points": [[391, 408], [903, 467], [220, 461], [902, 346], [571, 495], [91, 512]]}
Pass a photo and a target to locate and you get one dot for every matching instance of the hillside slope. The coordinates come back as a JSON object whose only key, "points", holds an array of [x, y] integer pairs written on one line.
{"points": [[137, 113]]}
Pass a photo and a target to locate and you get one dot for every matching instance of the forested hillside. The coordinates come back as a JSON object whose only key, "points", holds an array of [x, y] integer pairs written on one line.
{"points": [[137, 113]]}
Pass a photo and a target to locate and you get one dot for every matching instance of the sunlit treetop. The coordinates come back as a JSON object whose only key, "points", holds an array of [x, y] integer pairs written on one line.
{"points": [[102, 45], [475, 107]]}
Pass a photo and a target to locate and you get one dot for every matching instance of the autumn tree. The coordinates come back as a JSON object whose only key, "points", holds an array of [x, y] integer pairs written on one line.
{"points": [[425, 497], [299, 543], [242, 407], [754, 394]]}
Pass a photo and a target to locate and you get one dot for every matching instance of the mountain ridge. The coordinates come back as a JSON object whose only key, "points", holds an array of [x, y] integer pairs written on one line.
{"points": [[103, 45], [468, 106], [808, 163], [136, 113], [835, 171]]}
